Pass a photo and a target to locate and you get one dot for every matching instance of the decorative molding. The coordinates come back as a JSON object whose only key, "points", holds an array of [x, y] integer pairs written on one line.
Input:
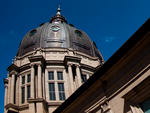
{"points": [[54, 62], [5, 80], [36, 100], [54, 103], [13, 67], [72, 59], [87, 67], [37, 58]]}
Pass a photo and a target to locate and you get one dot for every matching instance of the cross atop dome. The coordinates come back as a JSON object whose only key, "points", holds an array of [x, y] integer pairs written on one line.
{"points": [[58, 10], [58, 16]]}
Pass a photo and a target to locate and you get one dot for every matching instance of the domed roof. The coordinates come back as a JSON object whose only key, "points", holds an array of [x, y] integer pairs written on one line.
{"points": [[57, 34]]}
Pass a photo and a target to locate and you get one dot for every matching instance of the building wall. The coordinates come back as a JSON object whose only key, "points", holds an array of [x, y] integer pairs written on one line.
{"points": [[38, 64]]}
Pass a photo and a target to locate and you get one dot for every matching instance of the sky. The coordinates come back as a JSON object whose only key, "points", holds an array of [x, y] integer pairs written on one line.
{"points": [[109, 23]]}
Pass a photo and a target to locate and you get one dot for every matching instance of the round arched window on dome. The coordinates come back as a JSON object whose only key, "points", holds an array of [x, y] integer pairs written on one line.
{"points": [[78, 33], [33, 32]]}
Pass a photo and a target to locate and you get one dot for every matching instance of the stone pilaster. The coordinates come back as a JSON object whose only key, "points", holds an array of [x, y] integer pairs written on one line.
{"points": [[9, 88], [56, 85], [70, 74], [88, 76], [40, 107], [6, 94], [31, 108], [32, 81], [12, 88], [39, 81], [78, 75], [46, 84], [25, 89], [20, 84]]}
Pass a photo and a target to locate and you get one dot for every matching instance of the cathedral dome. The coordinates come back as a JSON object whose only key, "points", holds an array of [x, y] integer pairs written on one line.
{"points": [[57, 34]]}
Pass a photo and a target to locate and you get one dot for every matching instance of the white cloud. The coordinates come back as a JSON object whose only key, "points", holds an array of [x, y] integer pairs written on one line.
{"points": [[109, 39]]}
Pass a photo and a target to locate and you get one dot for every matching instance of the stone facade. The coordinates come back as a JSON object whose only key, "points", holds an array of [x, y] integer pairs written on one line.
{"points": [[37, 65]]}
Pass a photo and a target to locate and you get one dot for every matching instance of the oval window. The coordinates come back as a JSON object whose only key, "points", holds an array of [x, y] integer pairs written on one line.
{"points": [[78, 33], [33, 32]]}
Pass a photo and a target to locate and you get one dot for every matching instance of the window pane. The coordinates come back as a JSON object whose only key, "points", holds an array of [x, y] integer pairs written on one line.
{"points": [[84, 78], [52, 91], [61, 91], [60, 86], [59, 75], [23, 95], [28, 91], [23, 80], [28, 78], [51, 75]]}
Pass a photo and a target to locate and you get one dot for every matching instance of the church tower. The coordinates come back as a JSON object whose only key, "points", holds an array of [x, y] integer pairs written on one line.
{"points": [[53, 60]]}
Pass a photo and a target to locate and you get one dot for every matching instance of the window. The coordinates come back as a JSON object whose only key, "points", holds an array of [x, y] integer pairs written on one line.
{"points": [[84, 78], [78, 33], [25, 87], [32, 32], [28, 91], [52, 91], [28, 78], [61, 91], [59, 75], [146, 106], [23, 80], [57, 83], [51, 75], [23, 95]]}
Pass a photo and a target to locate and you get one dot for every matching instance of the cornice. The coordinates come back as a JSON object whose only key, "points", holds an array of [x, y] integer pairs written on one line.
{"points": [[36, 58], [72, 59], [13, 67]]}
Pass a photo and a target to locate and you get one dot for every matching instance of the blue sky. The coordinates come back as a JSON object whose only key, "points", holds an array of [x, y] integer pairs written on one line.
{"points": [[108, 22]]}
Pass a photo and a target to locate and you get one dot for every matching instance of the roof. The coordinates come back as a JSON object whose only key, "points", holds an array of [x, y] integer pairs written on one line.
{"points": [[58, 34], [130, 43]]}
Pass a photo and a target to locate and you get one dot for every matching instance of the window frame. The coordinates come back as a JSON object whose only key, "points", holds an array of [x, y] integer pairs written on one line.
{"points": [[56, 81]]}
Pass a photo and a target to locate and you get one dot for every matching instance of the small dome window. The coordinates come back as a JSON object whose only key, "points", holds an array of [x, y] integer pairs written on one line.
{"points": [[71, 25], [41, 24], [33, 32], [78, 33]]}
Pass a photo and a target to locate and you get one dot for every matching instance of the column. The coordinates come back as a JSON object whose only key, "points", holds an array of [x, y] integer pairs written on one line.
{"points": [[88, 76], [6, 92], [9, 88], [56, 85], [43, 85], [20, 91], [70, 74], [46, 85], [39, 81], [78, 75], [17, 90], [31, 107], [12, 88], [32, 82], [66, 85], [25, 89], [39, 107]]}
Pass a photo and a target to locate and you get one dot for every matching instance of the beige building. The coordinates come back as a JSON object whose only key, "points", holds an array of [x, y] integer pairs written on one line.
{"points": [[53, 60], [56, 58], [121, 85]]}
